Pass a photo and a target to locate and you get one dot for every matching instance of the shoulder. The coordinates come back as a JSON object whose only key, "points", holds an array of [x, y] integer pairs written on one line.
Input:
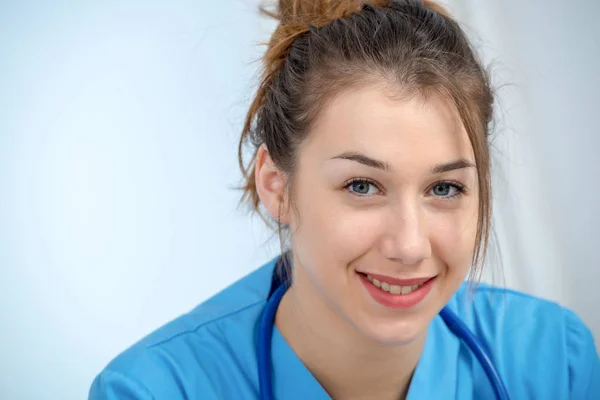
{"points": [[183, 358], [532, 339], [504, 310]]}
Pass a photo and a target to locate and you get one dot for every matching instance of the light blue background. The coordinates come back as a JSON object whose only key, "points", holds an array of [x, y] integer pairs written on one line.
{"points": [[119, 124]]}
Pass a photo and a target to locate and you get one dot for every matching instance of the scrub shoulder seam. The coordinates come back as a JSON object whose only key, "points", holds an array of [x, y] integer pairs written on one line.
{"points": [[205, 323], [499, 290], [137, 385]]}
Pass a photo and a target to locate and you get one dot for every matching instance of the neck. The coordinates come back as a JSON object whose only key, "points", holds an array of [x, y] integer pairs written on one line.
{"points": [[346, 363]]}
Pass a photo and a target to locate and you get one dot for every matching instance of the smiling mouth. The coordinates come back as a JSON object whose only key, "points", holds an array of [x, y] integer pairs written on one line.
{"points": [[392, 288]]}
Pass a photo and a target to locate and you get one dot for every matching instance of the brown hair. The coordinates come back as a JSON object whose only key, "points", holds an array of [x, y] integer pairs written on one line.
{"points": [[323, 47]]}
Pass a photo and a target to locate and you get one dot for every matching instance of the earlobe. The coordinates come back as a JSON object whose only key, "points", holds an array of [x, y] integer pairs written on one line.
{"points": [[270, 185]]}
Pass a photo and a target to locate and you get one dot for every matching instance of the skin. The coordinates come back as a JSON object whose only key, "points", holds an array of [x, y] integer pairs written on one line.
{"points": [[407, 221]]}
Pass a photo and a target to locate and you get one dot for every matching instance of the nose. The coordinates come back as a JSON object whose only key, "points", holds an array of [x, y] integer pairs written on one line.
{"points": [[405, 237]]}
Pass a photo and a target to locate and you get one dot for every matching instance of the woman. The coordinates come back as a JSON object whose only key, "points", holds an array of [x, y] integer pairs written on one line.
{"points": [[370, 139]]}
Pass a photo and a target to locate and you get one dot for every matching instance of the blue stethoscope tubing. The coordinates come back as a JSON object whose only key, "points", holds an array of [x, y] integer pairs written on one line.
{"points": [[265, 333]]}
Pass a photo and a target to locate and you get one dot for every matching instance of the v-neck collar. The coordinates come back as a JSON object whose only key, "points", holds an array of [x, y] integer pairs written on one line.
{"points": [[436, 374], [436, 369], [292, 380]]}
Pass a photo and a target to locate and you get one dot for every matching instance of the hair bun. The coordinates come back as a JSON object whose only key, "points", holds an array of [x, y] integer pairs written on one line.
{"points": [[321, 12], [436, 7], [317, 12]]}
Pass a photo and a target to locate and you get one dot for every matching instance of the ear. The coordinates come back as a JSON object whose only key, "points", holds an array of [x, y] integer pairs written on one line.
{"points": [[270, 185]]}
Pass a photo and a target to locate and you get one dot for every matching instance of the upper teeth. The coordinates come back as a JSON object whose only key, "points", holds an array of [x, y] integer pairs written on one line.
{"points": [[393, 289]]}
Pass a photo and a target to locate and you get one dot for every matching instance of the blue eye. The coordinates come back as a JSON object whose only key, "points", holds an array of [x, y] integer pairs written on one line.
{"points": [[362, 187], [447, 190]]}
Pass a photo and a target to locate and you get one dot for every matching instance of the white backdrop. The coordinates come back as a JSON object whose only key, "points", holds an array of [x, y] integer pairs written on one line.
{"points": [[118, 126]]}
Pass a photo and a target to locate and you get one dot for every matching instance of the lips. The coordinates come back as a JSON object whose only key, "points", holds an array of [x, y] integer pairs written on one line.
{"points": [[408, 294]]}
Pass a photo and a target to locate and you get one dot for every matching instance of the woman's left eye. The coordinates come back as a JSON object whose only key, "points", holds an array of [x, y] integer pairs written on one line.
{"points": [[447, 190]]}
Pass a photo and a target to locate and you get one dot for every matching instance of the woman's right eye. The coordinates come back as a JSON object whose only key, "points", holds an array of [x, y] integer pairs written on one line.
{"points": [[362, 187]]}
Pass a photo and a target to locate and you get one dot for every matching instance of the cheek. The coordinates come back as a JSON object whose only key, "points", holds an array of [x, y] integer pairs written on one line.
{"points": [[326, 231], [453, 238]]}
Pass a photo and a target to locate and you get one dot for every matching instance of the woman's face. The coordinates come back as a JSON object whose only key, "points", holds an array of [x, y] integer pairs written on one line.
{"points": [[385, 199]]}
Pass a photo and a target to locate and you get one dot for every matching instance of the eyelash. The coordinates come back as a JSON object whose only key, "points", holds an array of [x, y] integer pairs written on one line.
{"points": [[460, 189], [352, 181]]}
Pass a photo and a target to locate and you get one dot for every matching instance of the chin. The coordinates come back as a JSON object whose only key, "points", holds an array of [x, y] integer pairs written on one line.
{"points": [[403, 331]]}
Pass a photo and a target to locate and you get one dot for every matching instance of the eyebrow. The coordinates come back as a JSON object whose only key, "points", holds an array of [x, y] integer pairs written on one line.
{"points": [[382, 165]]}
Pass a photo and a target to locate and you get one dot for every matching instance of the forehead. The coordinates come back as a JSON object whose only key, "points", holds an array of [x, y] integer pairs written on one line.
{"points": [[409, 133]]}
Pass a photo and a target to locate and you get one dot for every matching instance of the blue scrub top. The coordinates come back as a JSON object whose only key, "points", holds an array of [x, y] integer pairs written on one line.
{"points": [[542, 351]]}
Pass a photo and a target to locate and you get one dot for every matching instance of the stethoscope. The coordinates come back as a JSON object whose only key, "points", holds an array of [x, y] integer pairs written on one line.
{"points": [[279, 285]]}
